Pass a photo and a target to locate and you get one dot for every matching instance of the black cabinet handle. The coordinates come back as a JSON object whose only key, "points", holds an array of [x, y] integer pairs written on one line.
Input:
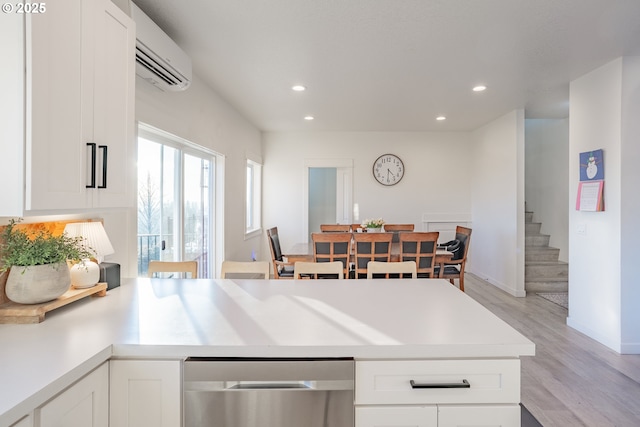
{"points": [[104, 166], [93, 164], [463, 384]]}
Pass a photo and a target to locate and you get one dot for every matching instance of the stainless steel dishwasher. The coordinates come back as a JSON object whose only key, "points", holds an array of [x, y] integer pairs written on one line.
{"points": [[241, 392]]}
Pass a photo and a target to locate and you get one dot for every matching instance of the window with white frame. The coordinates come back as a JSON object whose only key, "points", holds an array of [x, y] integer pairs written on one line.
{"points": [[253, 222], [177, 202]]}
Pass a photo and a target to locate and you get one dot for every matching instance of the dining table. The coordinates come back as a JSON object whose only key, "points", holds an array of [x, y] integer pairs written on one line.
{"points": [[305, 250]]}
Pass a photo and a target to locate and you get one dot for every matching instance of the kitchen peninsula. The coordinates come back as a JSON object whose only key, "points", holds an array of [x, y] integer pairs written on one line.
{"points": [[396, 330]]}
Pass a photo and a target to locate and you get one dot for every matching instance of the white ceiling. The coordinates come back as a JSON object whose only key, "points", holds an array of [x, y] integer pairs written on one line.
{"points": [[394, 65]]}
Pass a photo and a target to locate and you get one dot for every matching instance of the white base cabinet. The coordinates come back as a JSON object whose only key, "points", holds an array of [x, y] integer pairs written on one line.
{"points": [[145, 393], [438, 393], [84, 404], [397, 416], [438, 416]]}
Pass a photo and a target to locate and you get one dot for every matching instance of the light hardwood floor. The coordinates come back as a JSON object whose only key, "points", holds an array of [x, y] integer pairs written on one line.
{"points": [[572, 380]]}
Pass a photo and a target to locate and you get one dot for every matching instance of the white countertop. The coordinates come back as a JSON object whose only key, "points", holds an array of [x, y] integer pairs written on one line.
{"points": [[378, 319]]}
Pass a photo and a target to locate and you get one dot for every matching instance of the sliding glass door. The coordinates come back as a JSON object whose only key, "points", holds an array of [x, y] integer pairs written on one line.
{"points": [[175, 203]]}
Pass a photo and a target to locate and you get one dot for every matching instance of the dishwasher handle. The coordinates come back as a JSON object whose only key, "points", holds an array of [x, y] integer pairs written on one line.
{"points": [[268, 385]]}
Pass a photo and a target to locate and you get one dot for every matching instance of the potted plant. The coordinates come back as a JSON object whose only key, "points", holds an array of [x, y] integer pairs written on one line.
{"points": [[37, 263], [373, 225]]}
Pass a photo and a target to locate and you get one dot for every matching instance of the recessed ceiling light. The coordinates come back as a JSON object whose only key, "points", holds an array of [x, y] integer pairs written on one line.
{"points": [[441, 118], [309, 118], [299, 88], [479, 88]]}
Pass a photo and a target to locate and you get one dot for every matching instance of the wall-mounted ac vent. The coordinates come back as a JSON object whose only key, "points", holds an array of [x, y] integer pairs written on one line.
{"points": [[159, 60]]}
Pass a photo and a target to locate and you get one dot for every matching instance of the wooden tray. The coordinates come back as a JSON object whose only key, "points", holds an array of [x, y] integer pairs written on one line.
{"points": [[12, 312]]}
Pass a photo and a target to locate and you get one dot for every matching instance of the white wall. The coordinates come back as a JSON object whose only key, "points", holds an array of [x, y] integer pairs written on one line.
{"points": [[547, 179], [604, 299], [437, 179], [497, 192], [630, 209]]}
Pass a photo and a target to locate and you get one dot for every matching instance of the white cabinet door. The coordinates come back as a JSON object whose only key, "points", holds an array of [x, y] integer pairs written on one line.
{"points": [[80, 91], [397, 416], [24, 422], [113, 113], [145, 393], [84, 404], [479, 416], [12, 115], [58, 97]]}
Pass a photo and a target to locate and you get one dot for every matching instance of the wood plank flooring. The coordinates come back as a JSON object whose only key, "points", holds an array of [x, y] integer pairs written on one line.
{"points": [[572, 380]]}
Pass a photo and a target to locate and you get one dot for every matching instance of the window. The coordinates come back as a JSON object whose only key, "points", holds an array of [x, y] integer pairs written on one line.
{"points": [[175, 201], [253, 208]]}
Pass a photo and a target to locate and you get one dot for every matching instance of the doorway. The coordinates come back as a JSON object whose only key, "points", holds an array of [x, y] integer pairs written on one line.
{"points": [[328, 193], [322, 198]]}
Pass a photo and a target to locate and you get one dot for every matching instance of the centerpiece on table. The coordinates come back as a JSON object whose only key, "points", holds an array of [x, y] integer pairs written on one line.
{"points": [[373, 225], [37, 263]]}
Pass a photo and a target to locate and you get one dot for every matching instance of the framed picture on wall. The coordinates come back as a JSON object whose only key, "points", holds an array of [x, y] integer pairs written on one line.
{"points": [[591, 166]]}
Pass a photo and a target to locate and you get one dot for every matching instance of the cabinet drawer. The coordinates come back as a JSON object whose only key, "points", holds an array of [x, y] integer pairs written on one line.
{"points": [[389, 382], [479, 416], [397, 416]]}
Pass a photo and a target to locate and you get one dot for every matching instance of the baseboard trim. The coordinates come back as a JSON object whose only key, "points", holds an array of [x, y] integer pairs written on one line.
{"points": [[601, 338], [511, 291]]}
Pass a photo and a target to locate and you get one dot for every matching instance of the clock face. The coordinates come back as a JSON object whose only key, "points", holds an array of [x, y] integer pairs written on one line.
{"points": [[388, 169]]}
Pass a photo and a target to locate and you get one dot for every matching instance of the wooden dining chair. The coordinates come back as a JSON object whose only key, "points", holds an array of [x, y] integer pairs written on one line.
{"points": [[330, 247], [400, 268], [370, 247], [173, 267], [282, 264], [245, 269], [318, 270], [397, 228], [421, 248], [454, 269], [335, 228]]}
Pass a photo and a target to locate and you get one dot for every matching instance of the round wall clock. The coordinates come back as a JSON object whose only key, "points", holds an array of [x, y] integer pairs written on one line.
{"points": [[388, 169]]}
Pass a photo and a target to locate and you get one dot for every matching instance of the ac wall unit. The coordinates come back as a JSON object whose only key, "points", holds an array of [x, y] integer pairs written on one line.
{"points": [[159, 60]]}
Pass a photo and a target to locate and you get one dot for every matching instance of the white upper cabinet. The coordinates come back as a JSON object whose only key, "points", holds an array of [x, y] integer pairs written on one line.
{"points": [[79, 96]]}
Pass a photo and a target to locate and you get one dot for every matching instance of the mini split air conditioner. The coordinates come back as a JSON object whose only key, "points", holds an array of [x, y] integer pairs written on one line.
{"points": [[159, 60]]}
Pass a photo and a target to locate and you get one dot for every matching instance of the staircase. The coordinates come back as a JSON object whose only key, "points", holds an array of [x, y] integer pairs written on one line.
{"points": [[542, 270]]}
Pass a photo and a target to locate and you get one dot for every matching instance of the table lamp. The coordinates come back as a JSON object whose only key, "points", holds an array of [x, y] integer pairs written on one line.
{"points": [[93, 238]]}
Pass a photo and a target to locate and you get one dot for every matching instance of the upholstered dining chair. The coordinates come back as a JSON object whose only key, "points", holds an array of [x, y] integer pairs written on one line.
{"points": [[397, 228], [246, 269], [335, 228], [315, 270], [400, 268], [173, 268], [454, 269], [282, 264], [421, 248], [370, 247], [330, 247]]}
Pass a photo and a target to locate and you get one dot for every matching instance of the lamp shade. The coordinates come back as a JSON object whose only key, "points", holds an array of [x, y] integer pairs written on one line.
{"points": [[94, 238]]}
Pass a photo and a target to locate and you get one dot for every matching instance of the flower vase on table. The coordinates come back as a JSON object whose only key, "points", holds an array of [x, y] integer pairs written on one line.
{"points": [[373, 225]]}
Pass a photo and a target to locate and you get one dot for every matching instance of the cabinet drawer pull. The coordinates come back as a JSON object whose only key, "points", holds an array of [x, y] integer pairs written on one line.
{"points": [[463, 384], [93, 164], [104, 166]]}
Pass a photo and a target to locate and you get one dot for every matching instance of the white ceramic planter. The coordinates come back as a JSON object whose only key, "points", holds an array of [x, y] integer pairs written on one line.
{"points": [[37, 283]]}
